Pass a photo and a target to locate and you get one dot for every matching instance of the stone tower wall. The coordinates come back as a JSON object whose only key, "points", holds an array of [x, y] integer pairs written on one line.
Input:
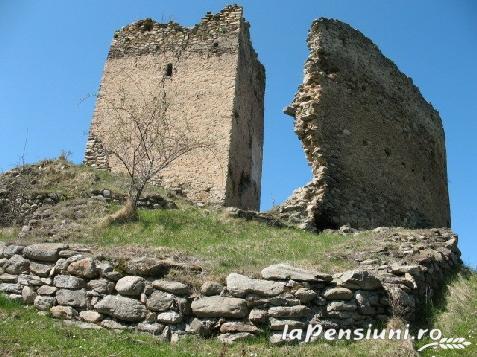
{"points": [[205, 93], [247, 133], [375, 145]]}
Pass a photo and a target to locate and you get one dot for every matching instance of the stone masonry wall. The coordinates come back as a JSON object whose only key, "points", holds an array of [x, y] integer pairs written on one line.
{"points": [[215, 86], [87, 289], [375, 145]]}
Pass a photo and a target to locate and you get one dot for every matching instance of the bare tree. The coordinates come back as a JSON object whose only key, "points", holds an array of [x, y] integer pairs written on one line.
{"points": [[143, 137]]}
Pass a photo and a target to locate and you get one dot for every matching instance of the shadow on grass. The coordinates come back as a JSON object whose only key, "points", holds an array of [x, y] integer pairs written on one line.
{"points": [[439, 301]]}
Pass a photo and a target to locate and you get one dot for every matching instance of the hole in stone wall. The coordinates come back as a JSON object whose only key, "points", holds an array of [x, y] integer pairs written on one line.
{"points": [[169, 69], [365, 142], [387, 152], [323, 221]]}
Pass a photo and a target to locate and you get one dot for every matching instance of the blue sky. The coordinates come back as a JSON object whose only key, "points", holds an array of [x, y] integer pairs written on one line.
{"points": [[53, 54]]}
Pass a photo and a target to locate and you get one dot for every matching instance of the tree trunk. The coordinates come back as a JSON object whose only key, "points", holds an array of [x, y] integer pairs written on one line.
{"points": [[127, 213]]}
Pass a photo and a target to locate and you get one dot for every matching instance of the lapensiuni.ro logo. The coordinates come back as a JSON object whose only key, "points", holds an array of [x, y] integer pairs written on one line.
{"points": [[316, 331]]}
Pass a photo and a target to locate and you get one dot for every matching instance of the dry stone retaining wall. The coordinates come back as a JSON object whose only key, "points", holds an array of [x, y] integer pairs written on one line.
{"points": [[73, 284]]}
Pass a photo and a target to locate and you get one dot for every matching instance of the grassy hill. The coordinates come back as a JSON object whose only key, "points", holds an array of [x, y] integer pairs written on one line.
{"points": [[208, 237]]}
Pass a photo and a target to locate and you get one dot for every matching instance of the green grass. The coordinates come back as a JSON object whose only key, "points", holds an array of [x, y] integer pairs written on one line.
{"points": [[225, 244], [205, 236], [455, 314], [70, 180], [8, 233]]}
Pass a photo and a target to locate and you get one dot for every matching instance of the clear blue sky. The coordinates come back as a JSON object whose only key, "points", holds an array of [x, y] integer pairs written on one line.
{"points": [[53, 54]]}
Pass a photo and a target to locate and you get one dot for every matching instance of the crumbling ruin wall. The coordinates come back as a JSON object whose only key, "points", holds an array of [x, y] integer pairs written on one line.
{"points": [[375, 145], [207, 69]]}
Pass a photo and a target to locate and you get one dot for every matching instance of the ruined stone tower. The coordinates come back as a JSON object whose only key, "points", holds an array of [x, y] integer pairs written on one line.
{"points": [[375, 145], [216, 82]]}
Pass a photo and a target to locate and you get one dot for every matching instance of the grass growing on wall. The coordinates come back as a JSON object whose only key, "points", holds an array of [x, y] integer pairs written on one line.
{"points": [[225, 244]]}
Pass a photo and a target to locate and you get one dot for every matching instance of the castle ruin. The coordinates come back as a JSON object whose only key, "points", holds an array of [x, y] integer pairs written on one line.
{"points": [[216, 83], [375, 145]]}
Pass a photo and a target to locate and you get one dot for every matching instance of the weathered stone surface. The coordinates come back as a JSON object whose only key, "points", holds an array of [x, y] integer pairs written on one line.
{"points": [[286, 272], [60, 267], [183, 305], [279, 324], [114, 325], [31, 280], [76, 298], [8, 278], [210, 288], [102, 286], [241, 285], [42, 270], [63, 312], [338, 294], [289, 311], [359, 279], [230, 338], [85, 268], [106, 270], [173, 287], [160, 301], [66, 253], [305, 295], [282, 300], [16, 265], [341, 306], [154, 328], [11, 288], [82, 324], [46, 290], [90, 316], [258, 316], [202, 327], [11, 250], [375, 145], [234, 326], [68, 282], [217, 306], [44, 252], [28, 295], [130, 285], [400, 269], [44, 303], [147, 267], [169, 317], [121, 308]]}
